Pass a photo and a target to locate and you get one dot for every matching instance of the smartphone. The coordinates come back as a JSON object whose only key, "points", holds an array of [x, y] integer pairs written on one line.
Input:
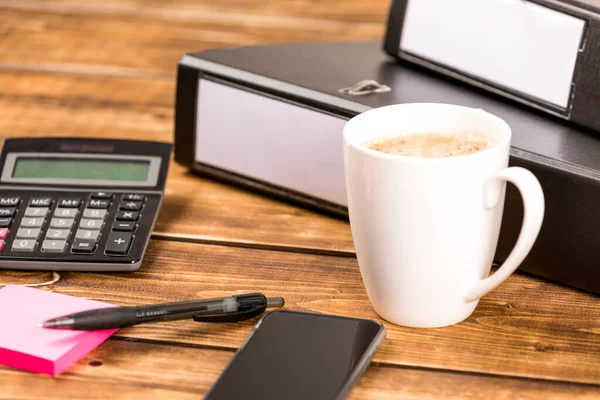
{"points": [[294, 355]]}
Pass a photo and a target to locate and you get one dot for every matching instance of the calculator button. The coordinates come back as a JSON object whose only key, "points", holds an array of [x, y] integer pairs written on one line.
{"points": [[131, 205], [65, 223], [123, 226], [3, 233], [93, 224], [69, 202], [65, 212], [127, 216], [83, 246], [118, 243], [36, 212], [28, 233], [9, 201], [94, 213], [2, 242], [57, 234], [54, 246], [40, 202], [32, 222], [134, 197], [101, 195], [5, 222], [87, 234], [23, 245], [98, 204], [7, 211]]}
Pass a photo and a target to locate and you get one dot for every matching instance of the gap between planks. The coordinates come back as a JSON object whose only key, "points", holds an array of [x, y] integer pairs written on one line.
{"points": [[184, 238]]}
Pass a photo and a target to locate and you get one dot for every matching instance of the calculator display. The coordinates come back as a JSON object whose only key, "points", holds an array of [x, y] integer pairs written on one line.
{"points": [[99, 170], [94, 169]]}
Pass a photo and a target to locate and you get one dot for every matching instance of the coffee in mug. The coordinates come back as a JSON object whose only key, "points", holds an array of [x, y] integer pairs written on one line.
{"points": [[431, 144]]}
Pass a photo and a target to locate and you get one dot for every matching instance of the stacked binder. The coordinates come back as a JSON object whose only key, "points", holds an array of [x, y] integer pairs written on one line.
{"points": [[544, 54], [270, 118]]}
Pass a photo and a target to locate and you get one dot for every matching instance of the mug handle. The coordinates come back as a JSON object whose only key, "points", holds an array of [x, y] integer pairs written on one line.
{"points": [[533, 215]]}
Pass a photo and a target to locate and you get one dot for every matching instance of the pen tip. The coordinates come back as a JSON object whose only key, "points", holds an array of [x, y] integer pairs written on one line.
{"points": [[41, 325], [275, 302]]}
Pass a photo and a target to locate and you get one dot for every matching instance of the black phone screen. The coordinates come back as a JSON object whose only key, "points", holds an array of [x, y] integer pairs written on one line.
{"points": [[297, 356]]}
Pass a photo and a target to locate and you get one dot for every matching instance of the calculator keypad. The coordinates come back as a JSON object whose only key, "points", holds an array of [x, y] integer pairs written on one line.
{"points": [[40, 202], [55, 234], [87, 234], [82, 246], [9, 201], [91, 213], [118, 242], [28, 233], [127, 216], [65, 212], [96, 226], [25, 245], [123, 226], [32, 222], [7, 211], [36, 212], [93, 203], [54, 246], [131, 205]]}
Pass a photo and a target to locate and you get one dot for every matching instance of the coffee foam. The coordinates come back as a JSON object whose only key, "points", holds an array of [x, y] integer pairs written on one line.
{"points": [[431, 145]]}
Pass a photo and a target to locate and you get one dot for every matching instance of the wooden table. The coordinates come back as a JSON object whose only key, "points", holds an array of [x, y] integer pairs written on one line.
{"points": [[94, 68]]}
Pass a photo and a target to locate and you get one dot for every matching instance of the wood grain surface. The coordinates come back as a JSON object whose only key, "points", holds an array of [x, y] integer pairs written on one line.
{"points": [[94, 68], [515, 330], [188, 373]]}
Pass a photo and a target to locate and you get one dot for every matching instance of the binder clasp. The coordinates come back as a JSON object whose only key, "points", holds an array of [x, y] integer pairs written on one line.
{"points": [[366, 86]]}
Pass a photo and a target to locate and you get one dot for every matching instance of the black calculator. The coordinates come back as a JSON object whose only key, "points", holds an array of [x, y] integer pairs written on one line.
{"points": [[79, 204]]}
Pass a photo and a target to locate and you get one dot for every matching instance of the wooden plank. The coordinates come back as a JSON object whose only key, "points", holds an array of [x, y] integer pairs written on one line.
{"points": [[526, 328], [240, 11], [123, 40], [134, 370], [45, 104], [48, 104]]}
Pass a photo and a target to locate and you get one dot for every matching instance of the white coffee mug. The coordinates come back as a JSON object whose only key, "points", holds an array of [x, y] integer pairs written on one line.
{"points": [[425, 230]]}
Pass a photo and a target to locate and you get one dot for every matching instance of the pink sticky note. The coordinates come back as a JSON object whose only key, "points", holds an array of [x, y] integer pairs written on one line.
{"points": [[26, 346]]}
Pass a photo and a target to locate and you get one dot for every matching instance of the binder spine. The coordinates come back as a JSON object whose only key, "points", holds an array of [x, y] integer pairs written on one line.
{"points": [[185, 114]]}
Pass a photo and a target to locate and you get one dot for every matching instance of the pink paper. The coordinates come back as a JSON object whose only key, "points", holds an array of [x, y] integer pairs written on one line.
{"points": [[26, 346]]}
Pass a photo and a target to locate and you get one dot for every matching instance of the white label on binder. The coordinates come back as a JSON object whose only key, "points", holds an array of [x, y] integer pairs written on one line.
{"points": [[271, 140], [513, 43]]}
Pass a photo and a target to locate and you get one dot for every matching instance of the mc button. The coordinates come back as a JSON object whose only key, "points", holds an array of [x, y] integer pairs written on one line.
{"points": [[40, 201]]}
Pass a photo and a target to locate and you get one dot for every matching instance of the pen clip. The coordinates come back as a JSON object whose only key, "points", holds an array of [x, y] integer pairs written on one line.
{"points": [[236, 316]]}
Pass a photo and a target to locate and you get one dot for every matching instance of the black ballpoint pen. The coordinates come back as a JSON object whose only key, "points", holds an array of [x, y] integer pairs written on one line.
{"points": [[224, 309]]}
